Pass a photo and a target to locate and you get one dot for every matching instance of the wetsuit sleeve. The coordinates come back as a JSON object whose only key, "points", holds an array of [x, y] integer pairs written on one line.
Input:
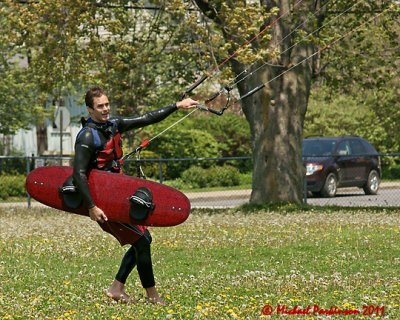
{"points": [[84, 149], [145, 119]]}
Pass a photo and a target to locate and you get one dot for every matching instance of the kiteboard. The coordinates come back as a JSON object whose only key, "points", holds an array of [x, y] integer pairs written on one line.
{"points": [[118, 195]]}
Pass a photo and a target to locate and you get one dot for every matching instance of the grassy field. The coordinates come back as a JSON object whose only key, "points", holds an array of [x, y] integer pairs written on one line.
{"points": [[217, 265]]}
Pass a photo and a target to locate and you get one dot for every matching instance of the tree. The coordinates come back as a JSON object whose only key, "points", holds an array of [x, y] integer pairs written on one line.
{"points": [[276, 113], [359, 76], [16, 99], [291, 56], [48, 34], [140, 56]]}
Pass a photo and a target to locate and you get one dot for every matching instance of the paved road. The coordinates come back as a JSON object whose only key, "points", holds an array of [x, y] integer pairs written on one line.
{"points": [[385, 198], [388, 195]]}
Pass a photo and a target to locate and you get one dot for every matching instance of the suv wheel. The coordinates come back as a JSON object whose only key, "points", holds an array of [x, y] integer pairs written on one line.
{"points": [[330, 186], [372, 185]]}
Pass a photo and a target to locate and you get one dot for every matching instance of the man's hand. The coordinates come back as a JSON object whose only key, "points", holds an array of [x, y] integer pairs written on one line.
{"points": [[96, 214], [187, 103]]}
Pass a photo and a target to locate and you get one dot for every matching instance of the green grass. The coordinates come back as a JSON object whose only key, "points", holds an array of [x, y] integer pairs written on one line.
{"points": [[219, 264]]}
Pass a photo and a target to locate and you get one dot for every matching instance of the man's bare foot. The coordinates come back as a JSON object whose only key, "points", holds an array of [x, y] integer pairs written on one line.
{"points": [[153, 297], [157, 300], [122, 298], [116, 292]]}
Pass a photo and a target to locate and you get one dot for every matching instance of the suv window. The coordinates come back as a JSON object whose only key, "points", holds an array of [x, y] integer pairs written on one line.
{"points": [[357, 147], [369, 148], [343, 148], [318, 147]]}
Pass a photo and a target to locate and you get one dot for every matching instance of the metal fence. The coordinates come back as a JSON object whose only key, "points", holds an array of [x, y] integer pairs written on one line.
{"points": [[388, 195]]}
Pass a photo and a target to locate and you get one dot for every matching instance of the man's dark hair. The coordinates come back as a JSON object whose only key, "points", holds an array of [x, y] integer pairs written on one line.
{"points": [[93, 92]]}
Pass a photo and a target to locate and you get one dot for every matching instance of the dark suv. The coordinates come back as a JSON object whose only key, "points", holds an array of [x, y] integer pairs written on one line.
{"points": [[347, 161]]}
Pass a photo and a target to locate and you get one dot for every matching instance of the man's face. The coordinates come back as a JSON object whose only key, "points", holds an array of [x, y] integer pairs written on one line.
{"points": [[101, 109]]}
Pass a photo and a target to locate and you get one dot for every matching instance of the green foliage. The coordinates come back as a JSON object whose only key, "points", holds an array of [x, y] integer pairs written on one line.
{"points": [[231, 131], [364, 60], [360, 77], [204, 136], [215, 176], [225, 176], [335, 116], [340, 115], [139, 64], [44, 58], [385, 109], [371, 118], [391, 172], [187, 143], [196, 177], [246, 179], [17, 99], [151, 169], [13, 166], [239, 20], [12, 186], [69, 45], [177, 183]]}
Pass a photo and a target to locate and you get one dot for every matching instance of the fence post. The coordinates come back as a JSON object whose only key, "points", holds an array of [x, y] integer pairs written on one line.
{"points": [[28, 169], [160, 165], [305, 189]]}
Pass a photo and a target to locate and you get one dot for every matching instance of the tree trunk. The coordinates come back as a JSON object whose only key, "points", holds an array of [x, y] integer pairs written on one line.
{"points": [[41, 136], [276, 113], [276, 116]]}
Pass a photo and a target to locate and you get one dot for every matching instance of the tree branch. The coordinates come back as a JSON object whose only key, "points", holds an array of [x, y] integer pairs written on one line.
{"points": [[209, 11]]}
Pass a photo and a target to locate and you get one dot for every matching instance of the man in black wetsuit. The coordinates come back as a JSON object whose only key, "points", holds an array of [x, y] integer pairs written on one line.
{"points": [[98, 146]]}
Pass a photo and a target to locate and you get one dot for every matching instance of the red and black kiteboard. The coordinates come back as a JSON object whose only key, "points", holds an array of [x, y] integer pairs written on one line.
{"points": [[113, 194]]}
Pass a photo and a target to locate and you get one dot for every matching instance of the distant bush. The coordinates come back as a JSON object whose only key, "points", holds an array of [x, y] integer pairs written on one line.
{"points": [[12, 166], [195, 176], [201, 136], [151, 169], [392, 172], [225, 176], [188, 143], [215, 176], [177, 184], [12, 186], [246, 178]]}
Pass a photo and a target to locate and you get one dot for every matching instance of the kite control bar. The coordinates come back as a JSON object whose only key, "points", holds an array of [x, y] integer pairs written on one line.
{"points": [[219, 113], [194, 86]]}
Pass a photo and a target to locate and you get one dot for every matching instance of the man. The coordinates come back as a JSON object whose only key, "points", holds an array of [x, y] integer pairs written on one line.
{"points": [[98, 146]]}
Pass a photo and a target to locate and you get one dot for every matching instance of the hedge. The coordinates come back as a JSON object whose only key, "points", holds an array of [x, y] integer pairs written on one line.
{"points": [[216, 176], [12, 186], [391, 173]]}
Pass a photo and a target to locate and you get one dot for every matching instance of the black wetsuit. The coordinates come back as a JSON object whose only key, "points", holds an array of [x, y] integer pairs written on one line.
{"points": [[87, 146], [85, 149]]}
